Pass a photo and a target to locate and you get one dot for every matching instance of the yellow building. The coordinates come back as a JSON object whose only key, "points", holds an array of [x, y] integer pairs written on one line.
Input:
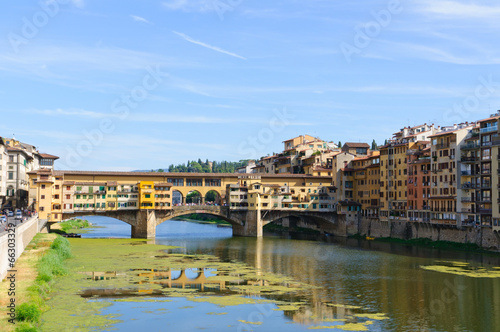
{"points": [[58, 194]]}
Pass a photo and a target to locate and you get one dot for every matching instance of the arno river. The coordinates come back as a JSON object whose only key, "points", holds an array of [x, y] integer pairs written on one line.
{"points": [[287, 284]]}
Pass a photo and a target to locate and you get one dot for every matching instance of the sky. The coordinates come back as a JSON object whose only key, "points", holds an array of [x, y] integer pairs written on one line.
{"points": [[126, 85]]}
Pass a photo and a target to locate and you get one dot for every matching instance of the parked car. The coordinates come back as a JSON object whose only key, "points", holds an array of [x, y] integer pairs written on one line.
{"points": [[10, 213], [19, 215], [3, 219]]}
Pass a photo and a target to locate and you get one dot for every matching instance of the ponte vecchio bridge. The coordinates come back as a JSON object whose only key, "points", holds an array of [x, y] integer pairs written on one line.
{"points": [[145, 200]]}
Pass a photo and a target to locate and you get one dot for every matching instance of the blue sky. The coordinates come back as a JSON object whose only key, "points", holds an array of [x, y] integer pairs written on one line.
{"points": [[122, 85]]}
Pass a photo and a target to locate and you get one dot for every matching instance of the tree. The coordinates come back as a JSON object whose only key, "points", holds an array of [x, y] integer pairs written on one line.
{"points": [[374, 145], [161, 170], [340, 144]]}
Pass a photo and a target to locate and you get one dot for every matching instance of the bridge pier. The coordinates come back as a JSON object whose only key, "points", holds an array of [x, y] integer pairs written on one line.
{"points": [[252, 227], [146, 225]]}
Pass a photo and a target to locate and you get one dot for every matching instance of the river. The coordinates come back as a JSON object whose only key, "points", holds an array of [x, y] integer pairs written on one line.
{"points": [[395, 287]]}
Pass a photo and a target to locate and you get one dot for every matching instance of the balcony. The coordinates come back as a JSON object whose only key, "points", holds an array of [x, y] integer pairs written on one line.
{"points": [[469, 186], [485, 185], [468, 200], [442, 146], [486, 130], [466, 173], [486, 172], [485, 211], [468, 159], [469, 146]]}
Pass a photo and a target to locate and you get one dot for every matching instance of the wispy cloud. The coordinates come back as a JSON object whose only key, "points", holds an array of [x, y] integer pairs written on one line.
{"points": [[73, 112], [457, 9], [190, 5], [214, 48], [139, 19], [78, 3]]}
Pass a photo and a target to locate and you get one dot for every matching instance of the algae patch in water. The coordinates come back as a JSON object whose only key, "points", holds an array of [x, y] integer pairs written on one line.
{"points": [[108, 271], [463, 269]]}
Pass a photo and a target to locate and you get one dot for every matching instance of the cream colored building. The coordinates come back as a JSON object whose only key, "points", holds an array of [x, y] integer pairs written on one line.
{"points": [[3, 172]]}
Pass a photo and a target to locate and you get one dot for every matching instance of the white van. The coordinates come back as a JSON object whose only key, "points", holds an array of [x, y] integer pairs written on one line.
{"points": [[19, 215]]}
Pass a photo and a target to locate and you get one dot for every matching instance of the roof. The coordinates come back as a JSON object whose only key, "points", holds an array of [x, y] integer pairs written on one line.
{"points": [[163, 184], [88, 183], [48, 156], [490, 118], [321, 168], [177, 175], [450, 131], [357, 145]]}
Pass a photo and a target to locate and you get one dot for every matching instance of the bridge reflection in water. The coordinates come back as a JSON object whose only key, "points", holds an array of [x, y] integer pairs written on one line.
{"points": [[201, 279]]}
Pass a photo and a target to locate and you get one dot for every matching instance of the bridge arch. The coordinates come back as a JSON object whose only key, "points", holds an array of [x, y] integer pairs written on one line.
{"points": [[213, 197], [194, 197], [312, 220], [177, 198]]}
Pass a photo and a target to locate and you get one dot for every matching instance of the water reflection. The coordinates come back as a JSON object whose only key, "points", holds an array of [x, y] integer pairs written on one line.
{"points": [[354, 279]]}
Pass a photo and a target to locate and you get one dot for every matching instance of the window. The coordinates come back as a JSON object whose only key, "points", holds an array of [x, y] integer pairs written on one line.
{"points": [[42, 197], [43, 186], [11, 175]]}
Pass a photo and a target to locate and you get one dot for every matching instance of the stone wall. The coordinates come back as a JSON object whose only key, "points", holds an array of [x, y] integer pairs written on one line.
{"points": [[483, 237], [24, 235]]}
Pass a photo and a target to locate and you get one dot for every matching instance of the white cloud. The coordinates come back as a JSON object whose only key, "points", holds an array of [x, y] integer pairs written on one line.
{"points": [[190, 5], [214, 48], [73, 112], [78, 3], [139, 19], [456, 9]]}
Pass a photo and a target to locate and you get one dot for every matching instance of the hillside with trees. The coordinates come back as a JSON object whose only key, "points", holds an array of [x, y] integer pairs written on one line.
{"points": [[206, 167]]}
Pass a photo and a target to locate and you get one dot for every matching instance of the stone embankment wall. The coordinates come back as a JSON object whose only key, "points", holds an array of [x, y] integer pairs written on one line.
{"points": [[24, 234], [483, 237]]}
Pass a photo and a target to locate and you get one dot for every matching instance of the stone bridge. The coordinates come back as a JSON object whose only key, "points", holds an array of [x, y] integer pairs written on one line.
{"points": [[244, 222]]}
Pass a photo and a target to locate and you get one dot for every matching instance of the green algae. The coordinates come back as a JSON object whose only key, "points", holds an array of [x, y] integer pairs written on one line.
{"points": [[463, 269], [373, 316], [142, 272], [217, 314], [344, 327], [251, 323]]}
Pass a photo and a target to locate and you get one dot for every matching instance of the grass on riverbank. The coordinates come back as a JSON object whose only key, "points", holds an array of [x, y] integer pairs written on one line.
{"points": [[38, 266], [204, 219], [71, 226]]}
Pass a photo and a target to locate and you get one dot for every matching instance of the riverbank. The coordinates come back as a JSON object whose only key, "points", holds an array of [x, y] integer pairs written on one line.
{"points": [[25, 278], [205, 219]]}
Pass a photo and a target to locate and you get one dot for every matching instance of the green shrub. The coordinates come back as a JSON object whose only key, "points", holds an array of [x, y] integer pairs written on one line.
{"points": [[28, 312], [62, 246], [26, 327]]}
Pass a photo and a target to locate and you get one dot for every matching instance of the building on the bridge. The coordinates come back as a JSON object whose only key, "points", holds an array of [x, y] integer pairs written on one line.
{"points": [[446, 200], [419, 182]]}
